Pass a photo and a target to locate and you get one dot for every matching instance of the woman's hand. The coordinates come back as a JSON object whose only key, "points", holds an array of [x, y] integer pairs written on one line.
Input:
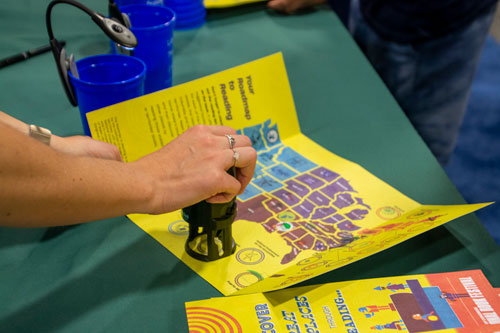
{"points": [[292, 6], [193, 167], [85, 146]]}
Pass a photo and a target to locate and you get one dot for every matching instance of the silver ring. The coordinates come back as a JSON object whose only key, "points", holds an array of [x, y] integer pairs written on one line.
{"points": [[231, 140]]}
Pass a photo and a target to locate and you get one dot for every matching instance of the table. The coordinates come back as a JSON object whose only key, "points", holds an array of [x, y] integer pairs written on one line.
{"points": [[110, 275]]}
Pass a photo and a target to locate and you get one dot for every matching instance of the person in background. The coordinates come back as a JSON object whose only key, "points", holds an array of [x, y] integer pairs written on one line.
{"points": [[425, 51], [77, 179]]}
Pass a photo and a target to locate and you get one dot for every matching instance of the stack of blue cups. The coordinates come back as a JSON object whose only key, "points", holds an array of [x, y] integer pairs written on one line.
{"points": [[153, 27], [189, 14]]}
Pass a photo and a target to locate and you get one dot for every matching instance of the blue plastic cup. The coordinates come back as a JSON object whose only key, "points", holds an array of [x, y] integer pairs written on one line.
{"points": [[153, 26], [105, 80], [189, 14], [190, 21]]}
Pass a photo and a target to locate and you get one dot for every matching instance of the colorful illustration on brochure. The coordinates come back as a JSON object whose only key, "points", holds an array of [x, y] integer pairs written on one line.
{"points": [[448, 302]]}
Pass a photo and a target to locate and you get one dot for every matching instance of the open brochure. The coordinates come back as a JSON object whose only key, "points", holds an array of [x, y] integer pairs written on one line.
{"points": [[448, 302], [307, 211]]}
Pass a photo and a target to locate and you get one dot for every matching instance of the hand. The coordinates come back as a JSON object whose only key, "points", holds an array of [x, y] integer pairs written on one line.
{"points": [[291, 6], [193, 167], [73, 145], [85, 146]]}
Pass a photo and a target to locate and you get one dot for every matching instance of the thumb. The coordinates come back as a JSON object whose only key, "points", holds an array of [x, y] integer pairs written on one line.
{"points": [[229, 188]]}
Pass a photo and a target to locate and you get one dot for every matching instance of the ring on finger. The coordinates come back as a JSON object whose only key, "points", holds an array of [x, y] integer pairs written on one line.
{"points": [[236, 156], [231, 141]]}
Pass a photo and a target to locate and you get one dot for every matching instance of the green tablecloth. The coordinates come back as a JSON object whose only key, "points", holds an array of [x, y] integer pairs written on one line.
{"points": [[110, 275]]}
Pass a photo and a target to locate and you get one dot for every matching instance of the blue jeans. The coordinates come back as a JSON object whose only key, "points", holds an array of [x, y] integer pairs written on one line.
{"points": [[432, 80]]}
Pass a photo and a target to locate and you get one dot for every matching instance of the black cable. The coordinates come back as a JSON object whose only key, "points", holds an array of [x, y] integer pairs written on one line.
{"points": [[48, 22]]}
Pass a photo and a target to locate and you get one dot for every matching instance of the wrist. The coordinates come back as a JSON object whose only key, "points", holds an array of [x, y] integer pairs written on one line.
{"points": [[57, 143], [145, 189]]}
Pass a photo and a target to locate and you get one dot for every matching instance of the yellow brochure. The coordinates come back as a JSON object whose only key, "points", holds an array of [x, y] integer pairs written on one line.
{"points": [[444, 302], [307, 211], [227, 3]]}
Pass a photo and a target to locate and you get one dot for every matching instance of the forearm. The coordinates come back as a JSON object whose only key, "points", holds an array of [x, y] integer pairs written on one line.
{"points": [[14, 123], [74, 145], [56, 141], [40, 186]]}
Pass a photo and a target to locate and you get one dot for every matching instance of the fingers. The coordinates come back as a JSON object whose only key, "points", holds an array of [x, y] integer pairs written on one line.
{"points": [[292, 6], [85, 146], [239, 141], [102, 150], [245, 163], [284, 6], [243, 156], [221, 130], [244, 159], [229, 188], [204, 154], [278, 5], [221, 197], [217, 135], [112, 153]]}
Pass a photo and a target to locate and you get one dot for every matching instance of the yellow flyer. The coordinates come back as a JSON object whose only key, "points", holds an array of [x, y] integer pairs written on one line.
{"points": [[307, 211], [445, 302], [227, 3]]}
